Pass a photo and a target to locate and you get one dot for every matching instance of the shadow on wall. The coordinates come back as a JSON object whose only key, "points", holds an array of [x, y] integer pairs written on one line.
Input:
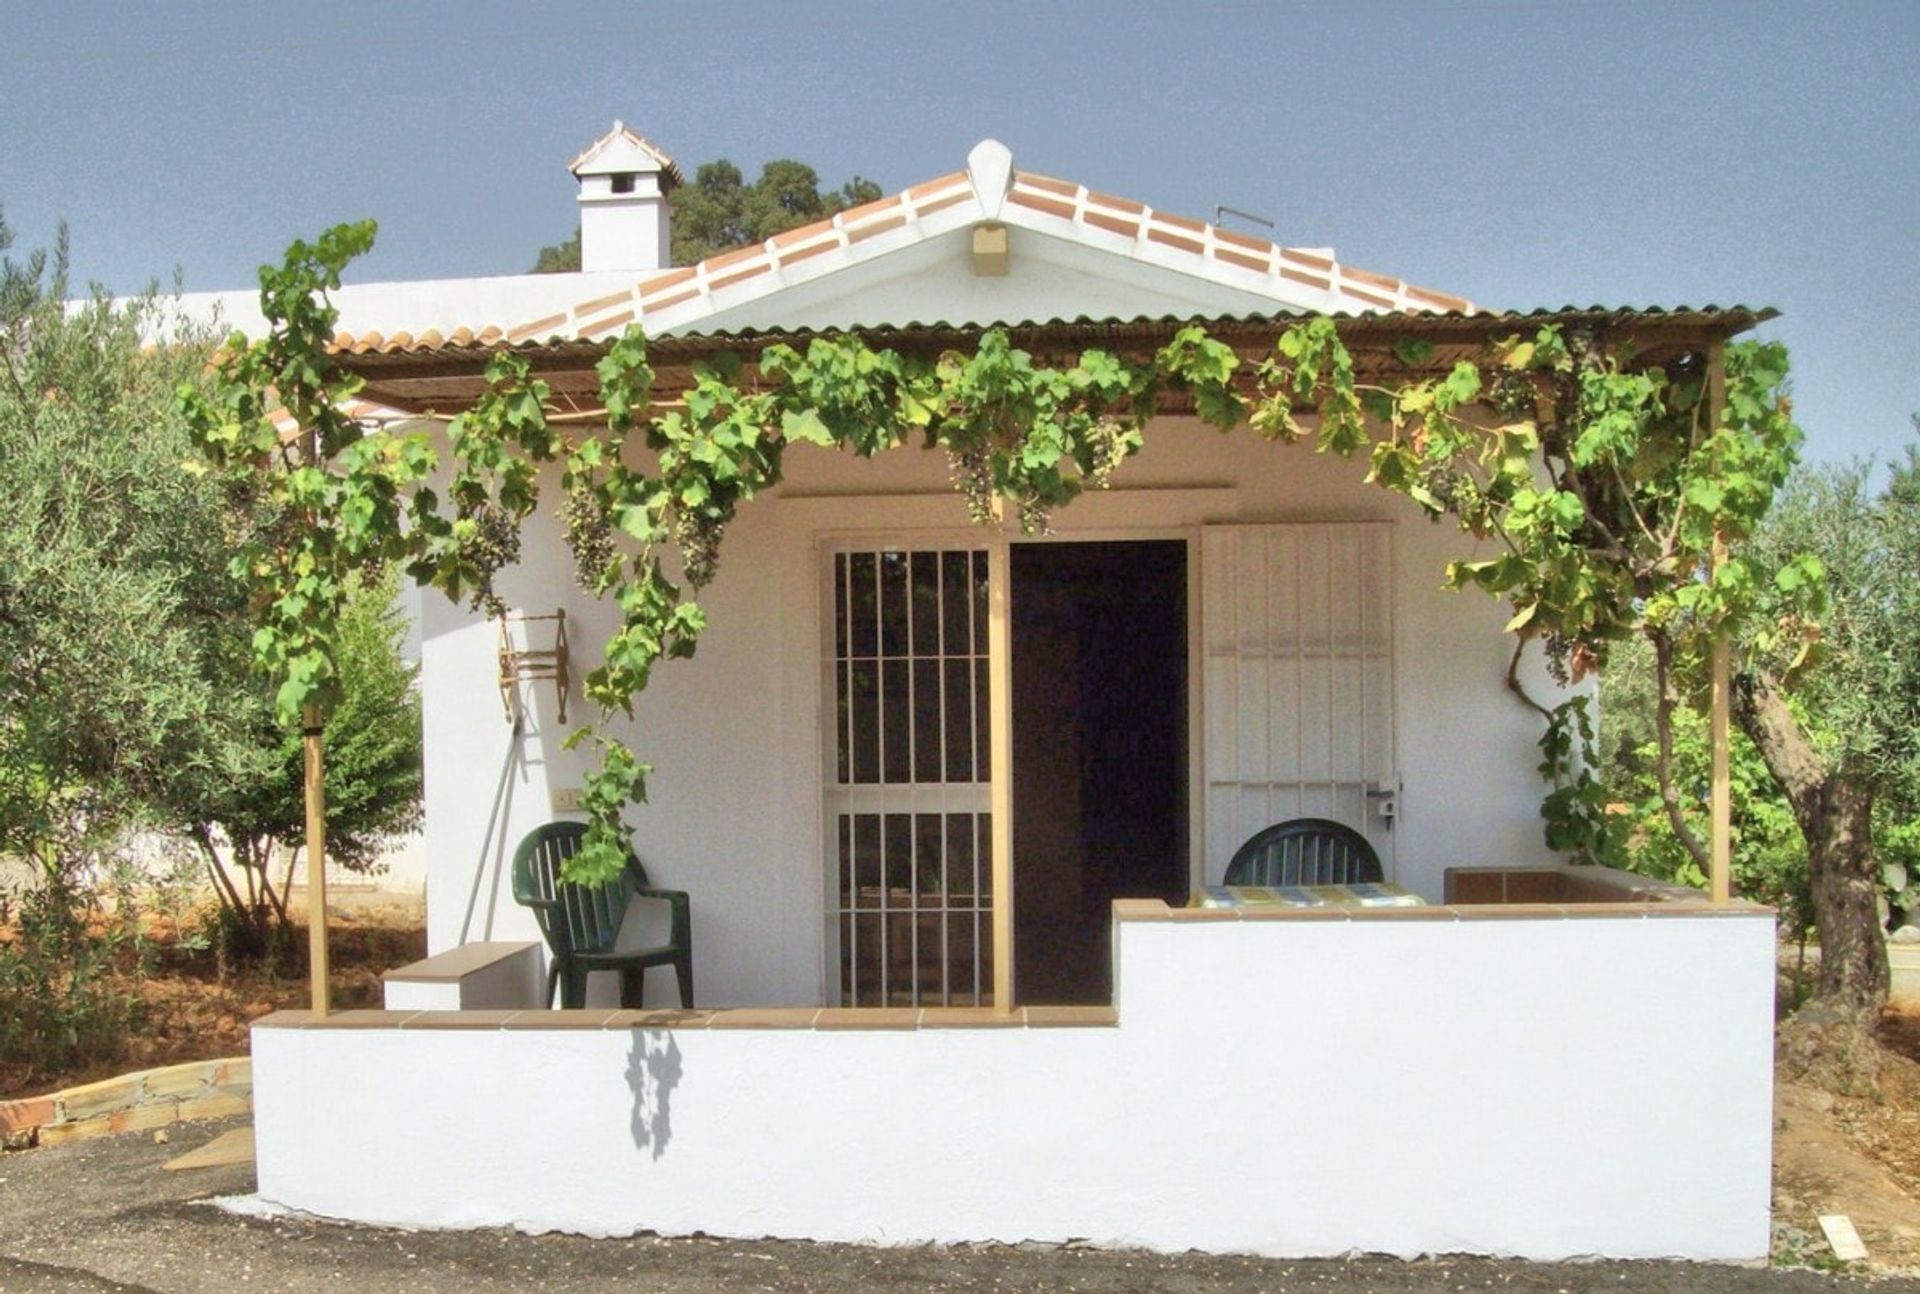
{"points": [[494, 843], [653, 1071]]}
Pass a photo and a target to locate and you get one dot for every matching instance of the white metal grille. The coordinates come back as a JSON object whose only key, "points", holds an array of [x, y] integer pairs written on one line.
{"points": [[1298, 626], [909, 835]]}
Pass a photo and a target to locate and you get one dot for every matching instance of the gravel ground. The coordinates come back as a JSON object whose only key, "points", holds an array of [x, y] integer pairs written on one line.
{"points": [[101, 1215]]}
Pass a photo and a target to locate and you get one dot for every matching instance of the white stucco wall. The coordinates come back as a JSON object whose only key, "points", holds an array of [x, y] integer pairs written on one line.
{"points": [[735, 810], [1539, 1087]]}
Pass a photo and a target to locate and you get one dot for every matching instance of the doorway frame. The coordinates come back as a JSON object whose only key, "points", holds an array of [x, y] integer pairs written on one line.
{"points": [[1001, 789]]}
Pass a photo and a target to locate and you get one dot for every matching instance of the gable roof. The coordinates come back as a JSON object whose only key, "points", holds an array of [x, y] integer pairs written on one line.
{"points": [[1255, 272], [620, 149]]}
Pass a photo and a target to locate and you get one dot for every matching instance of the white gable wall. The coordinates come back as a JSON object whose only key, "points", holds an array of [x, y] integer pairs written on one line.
{"points": [[735, 734], [932, 281]]}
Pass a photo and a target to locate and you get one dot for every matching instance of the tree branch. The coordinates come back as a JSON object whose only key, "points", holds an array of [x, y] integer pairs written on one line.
{"points": [[1663, 727], [1516, 687]]}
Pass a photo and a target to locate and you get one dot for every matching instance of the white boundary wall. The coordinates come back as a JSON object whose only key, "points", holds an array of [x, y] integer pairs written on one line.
{"points": [[1542, 1087]]}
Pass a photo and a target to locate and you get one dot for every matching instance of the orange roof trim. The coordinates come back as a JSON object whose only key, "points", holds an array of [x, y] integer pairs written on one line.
{"points": [[678, 297]]}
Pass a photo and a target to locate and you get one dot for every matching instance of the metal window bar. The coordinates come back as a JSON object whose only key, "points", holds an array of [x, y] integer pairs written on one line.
{"points": [[885, 774]]}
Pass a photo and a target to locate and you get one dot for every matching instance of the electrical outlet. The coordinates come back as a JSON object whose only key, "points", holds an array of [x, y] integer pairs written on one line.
{"points": [[566, 799]]}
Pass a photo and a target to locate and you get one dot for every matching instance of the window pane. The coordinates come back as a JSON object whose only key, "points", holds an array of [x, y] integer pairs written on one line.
{"points": [[928, 836], [956, 601], [866, 721], [864, 595], [899, 844], [925, 598], [893, 604], [982, 746], [842, 709], [980, 603], [926, 721], [845, 860], [840, 604], [866, 859], [959, 710], [960, 879], [897, 751]]}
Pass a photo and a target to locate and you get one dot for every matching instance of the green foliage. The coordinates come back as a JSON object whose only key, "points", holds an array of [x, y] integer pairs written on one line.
{"points": [[1013, 429], [1769, 858], [1606, 485], [60, 1007], [116, 617], [1860, 707], [720, 211]]}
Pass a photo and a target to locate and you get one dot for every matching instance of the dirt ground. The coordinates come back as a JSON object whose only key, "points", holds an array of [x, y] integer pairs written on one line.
{"points": [[1853, 1155], [190, 1011], [102, 1215]]}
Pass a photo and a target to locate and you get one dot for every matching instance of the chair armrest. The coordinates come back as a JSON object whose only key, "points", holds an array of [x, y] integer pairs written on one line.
{"points": [[682, 911], [540, 905]]}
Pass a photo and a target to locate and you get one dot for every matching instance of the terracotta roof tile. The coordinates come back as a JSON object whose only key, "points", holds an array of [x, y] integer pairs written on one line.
{"points": [[1242, 240], [548, 325], [927, 187], [865, 209], [1368, 276], [1033, 201], [601, 303], [1175, 240], [1181, 222], [1048, 183], [1118, 204], [803, 253], [661, 282], [799, 234], [672, 301], [734, 257], [1050, 199], [928, 208], [749, 272], [607, 325], [1244, 262], [1127, 228]]}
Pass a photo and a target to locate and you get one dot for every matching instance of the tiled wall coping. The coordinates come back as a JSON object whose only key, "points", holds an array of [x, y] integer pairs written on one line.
{"points": [[1158, 910], [813, 1018], [455, 964]]}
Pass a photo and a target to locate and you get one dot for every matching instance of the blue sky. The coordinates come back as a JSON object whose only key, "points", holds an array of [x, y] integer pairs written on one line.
{"points": [[1519, 154]]}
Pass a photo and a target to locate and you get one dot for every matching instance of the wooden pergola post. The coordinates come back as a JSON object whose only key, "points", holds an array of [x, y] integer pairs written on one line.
{"points": [[1000, 757], [316, 861], [1720, 839]]}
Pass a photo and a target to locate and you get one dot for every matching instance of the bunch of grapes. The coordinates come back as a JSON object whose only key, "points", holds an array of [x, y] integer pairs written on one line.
{"points": [[1109, 451], [589, 535], [973, 477], [698, 536], [493, 546]]}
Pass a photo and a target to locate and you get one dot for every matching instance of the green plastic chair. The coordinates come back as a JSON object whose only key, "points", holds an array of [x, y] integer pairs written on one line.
{"points": [[581, 925], [1305, 851]]}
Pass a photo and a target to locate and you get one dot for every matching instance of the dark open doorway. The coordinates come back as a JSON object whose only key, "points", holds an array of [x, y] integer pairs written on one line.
{"points": [[1099, 752]]}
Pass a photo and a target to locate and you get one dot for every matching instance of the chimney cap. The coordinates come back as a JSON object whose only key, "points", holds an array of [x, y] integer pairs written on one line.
{"points": [[622, 152]]}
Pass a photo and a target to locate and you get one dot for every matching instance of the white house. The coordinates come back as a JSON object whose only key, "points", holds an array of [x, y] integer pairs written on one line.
{"points": [[950, 983]]}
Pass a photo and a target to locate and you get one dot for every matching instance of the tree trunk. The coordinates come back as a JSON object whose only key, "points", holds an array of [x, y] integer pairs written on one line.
{"points": [[1834, 807]]}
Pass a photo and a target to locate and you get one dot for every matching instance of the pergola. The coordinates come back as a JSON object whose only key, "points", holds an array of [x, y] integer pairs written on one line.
{"points": [[434, 376]]}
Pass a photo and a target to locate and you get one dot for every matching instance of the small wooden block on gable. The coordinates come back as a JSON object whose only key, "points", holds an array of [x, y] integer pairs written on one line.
{"points": [[990, 251]]}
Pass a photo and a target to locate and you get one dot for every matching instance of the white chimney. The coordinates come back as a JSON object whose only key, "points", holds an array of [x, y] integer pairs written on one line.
{"points": [[624, 182]]}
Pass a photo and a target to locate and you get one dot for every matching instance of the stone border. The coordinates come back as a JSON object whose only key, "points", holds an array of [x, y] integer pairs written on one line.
{"points": [[147, 1098]]}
